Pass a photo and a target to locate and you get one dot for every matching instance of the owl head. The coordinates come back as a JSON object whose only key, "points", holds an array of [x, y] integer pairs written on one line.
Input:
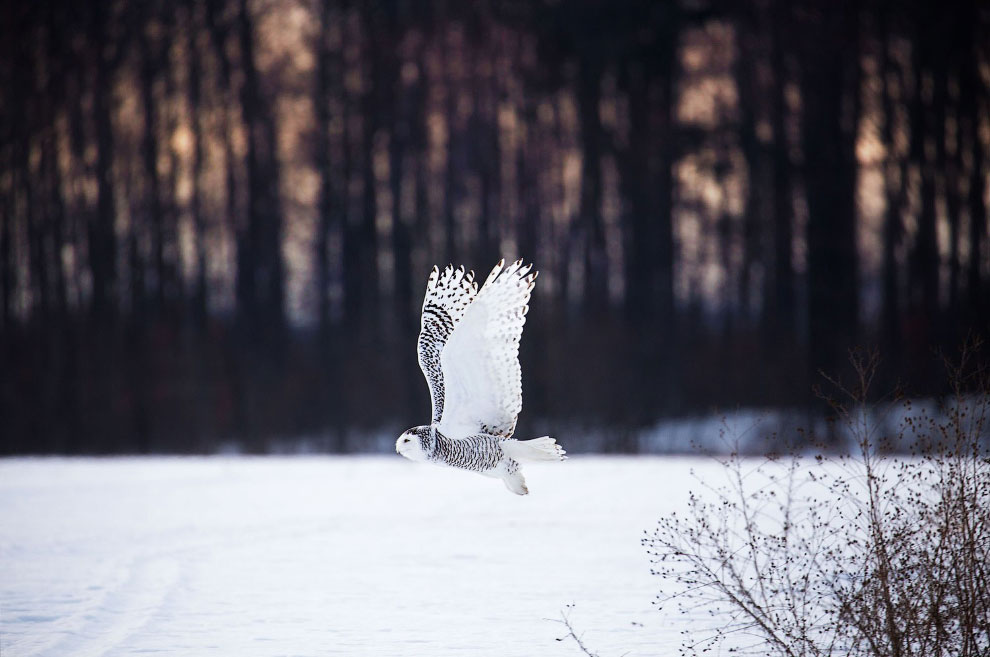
{"points": [[412, 443]]}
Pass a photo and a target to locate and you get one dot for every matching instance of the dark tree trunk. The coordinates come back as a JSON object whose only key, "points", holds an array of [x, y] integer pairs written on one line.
{"points": [[7, 218], [529, 171], [171, 260], [638, 176], [62, 356], [375, 116], [51, 170], [260, 268], [646, 169], [973, 98], [219, 32], [353, 272], [666, 137], [943, 180], [453, 190], [327, 71], [647, 172], [829, 94], [8, 211], [746, 61], [102, 236], [56, 218], [782, 298], [895, 188], [924, 262], [199, 219], [151, 68], [31, 200], [402, 239], [589, 221]]}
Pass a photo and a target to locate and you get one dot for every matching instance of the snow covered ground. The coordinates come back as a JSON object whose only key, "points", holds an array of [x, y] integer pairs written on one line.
{"points": [[330, 556]]}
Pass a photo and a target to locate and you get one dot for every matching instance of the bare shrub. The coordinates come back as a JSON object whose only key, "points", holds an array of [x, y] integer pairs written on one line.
{"points": [[871, 554]]}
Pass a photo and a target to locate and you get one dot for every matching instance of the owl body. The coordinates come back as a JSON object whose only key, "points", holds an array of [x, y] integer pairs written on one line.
{"points": [[479, 453], [469, 352], [488, 455]]}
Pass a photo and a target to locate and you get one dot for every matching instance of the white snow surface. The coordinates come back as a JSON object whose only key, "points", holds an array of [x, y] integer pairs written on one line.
{"points": [[330, 556]]}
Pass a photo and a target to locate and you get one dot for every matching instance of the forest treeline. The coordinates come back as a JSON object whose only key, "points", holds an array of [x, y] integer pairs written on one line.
{"points": [[217, 216]]}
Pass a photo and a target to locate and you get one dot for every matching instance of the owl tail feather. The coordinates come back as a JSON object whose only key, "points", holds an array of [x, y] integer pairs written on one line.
{"points": [[537, 449]]}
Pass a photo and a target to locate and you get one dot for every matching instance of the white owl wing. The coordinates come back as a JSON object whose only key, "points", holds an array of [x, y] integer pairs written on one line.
{"points": [[480, 362], [448, 295]]}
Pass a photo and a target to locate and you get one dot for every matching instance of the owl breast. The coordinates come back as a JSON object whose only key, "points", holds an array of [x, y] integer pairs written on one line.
{"points": [[478, 453]]}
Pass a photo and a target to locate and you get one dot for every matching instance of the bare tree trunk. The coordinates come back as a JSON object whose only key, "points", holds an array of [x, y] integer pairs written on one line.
{"points": [[65, 414], [453, 188], [219, 32], [102, 233], [56, 217], [171, 259], [50, 169], [400, 144], [665, 135], [354, 283], [647, 171], [32, 199], [326, 73], [199, 220], [260, 266], [8, 210], [7, 218], [375, 117], [590, 211], [923, 300], [745, 62], [642, 221], [668, 335], [782, 304], [484, 144], [829, 94], [529, 171], [151, 66], [943, 172], [647, 176], [973, 98], [895, 189]]}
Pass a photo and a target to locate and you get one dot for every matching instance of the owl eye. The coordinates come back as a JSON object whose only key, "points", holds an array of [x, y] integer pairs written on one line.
{"points": [[405, 440]]}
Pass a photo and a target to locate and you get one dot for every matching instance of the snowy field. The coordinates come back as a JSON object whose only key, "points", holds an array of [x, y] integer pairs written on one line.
{"points": [[330, 556]]}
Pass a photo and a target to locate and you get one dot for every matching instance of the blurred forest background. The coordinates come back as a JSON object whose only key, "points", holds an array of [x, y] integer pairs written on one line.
{"points": [[217, 216]]}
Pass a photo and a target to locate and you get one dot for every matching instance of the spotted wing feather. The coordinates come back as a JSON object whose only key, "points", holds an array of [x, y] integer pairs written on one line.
{"points": [[480, 362], [448, 295]]}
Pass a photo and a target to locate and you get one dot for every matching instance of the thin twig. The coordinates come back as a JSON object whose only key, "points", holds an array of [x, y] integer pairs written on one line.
{"points": [[565, 620]]}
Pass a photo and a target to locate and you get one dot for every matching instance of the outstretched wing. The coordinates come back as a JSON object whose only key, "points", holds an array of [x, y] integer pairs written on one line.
{"points": [[448, 295], [480, 362]]}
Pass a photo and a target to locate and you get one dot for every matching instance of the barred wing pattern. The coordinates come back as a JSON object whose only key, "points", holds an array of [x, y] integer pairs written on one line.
{"points": [[448, 295], [482, 380]]}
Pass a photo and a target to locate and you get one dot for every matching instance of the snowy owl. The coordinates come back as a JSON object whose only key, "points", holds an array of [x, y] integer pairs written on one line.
{"points": [[469, 351]]}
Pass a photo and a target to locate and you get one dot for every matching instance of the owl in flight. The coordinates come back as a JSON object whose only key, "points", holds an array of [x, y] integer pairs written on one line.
{"points": [[469, 352]]}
